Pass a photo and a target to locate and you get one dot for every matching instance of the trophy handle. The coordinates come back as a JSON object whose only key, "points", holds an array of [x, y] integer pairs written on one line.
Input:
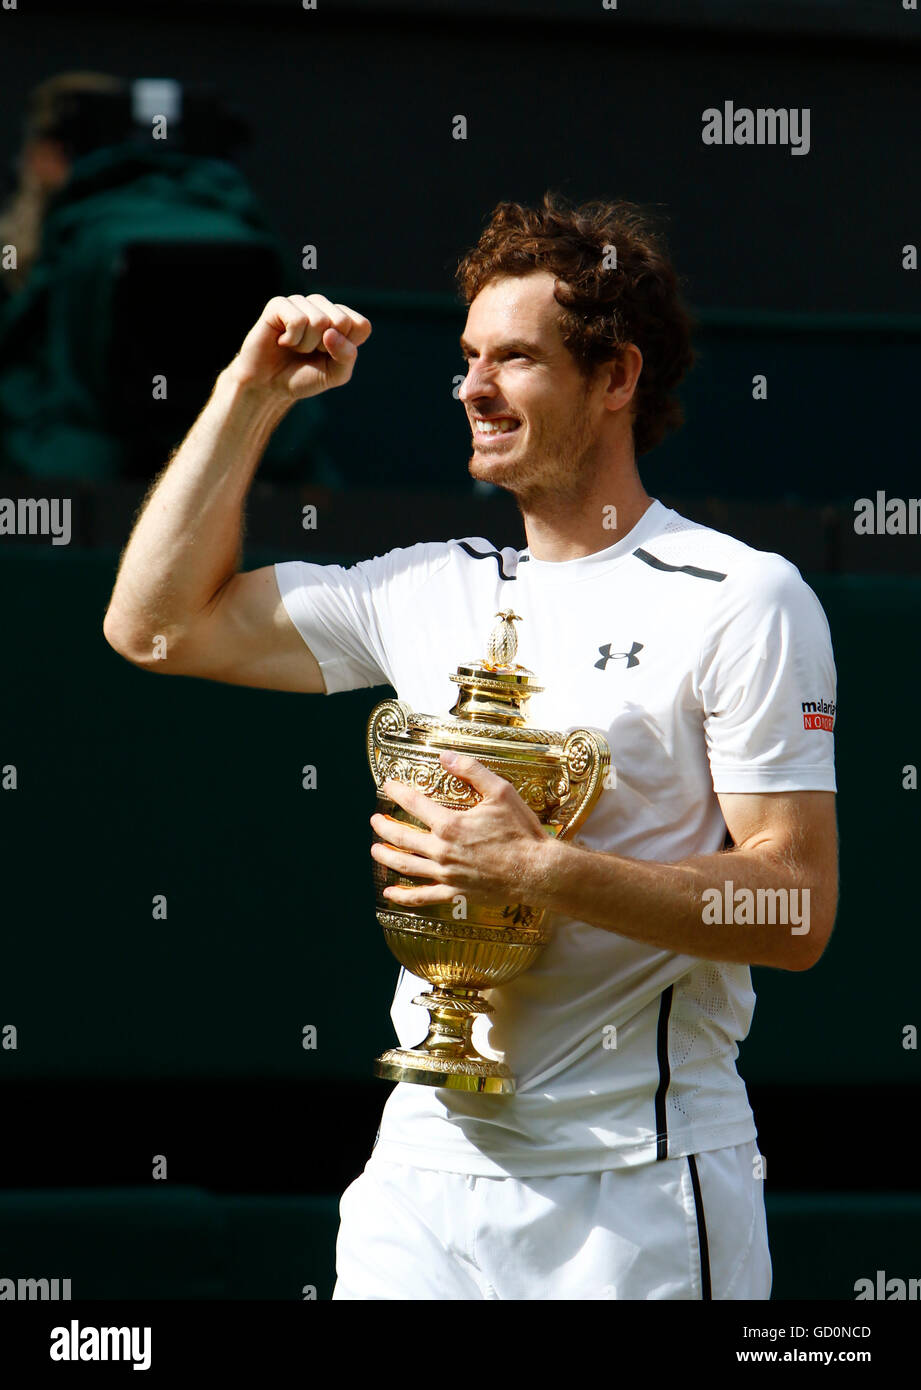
{"points": [[586, 760], [388, 718], [587, 756]]}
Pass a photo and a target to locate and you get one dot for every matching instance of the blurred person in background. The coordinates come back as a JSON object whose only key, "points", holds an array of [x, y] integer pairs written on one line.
{"points": [[111, 224]]}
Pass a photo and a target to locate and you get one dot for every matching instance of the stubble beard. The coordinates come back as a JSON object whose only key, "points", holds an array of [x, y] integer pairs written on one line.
{"points": [[558, 472]]}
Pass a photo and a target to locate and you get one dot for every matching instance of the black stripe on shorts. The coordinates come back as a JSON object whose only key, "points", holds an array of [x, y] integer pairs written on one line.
{"points": [[703, 1245], [665, 1076]]}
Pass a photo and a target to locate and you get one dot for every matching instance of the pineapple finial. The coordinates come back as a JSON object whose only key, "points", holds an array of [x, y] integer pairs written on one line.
{"points": [[503, 640]]}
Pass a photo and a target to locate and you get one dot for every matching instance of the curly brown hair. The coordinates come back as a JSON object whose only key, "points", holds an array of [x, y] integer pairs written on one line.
{"points": [[602, 308]]}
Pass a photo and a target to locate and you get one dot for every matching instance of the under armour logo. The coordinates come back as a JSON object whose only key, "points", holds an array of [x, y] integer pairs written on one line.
{"points": [[630, 657]]}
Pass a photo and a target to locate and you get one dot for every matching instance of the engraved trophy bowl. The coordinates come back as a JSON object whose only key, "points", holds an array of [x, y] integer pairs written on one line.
{"points": [[462, 949]]}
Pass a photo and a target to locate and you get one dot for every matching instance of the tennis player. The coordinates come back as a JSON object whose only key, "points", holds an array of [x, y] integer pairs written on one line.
{"points": [[626, 1166]]}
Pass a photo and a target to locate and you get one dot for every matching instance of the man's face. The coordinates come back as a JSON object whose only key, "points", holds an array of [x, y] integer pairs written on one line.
{"points": [[521, 376]]}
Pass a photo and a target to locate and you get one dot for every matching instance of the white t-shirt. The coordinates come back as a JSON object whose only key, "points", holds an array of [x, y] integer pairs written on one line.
{"points": [[704, 663]]}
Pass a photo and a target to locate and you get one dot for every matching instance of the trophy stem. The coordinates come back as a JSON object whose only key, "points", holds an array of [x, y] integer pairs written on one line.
{"points": [[451, 1014], [447, 1057]]}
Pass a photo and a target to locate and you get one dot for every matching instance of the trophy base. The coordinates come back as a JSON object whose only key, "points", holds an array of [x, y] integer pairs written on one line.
{"points": [[451, 1073]]}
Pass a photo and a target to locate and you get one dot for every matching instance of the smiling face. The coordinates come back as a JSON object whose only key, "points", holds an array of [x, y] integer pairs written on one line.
{"points": [[536, 421]]}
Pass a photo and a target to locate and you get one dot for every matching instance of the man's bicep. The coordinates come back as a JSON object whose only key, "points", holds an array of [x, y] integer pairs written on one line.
{"points": [[246, 637], [800, 824], [797, 829]]}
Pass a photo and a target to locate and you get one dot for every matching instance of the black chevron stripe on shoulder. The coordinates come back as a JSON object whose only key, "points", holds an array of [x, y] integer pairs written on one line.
{"points": [[658, 564], [486, 555]]}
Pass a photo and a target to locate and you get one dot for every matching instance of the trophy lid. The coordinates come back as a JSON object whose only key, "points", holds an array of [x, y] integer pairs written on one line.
{"points": [[495, 689]]}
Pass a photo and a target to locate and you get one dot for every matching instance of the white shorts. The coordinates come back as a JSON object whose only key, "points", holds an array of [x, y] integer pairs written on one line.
{"points": [[683, 1228]]}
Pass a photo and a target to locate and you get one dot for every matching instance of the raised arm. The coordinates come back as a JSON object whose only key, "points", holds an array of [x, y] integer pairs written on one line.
{"points": [[180, 605]]}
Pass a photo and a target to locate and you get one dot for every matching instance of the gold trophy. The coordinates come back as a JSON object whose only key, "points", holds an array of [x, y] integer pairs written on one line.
{"points": [[461, 952]]}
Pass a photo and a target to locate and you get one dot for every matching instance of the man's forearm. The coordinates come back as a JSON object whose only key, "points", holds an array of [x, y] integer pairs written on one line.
{"points": [[698, 907], [187, 540]]}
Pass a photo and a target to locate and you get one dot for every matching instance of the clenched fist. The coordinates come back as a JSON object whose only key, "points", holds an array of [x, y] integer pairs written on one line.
{"points": [[300, 346]]}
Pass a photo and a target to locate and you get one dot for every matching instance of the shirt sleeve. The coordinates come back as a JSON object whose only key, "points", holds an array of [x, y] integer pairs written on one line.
{"points": [[767, 684], [350, 618]]}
